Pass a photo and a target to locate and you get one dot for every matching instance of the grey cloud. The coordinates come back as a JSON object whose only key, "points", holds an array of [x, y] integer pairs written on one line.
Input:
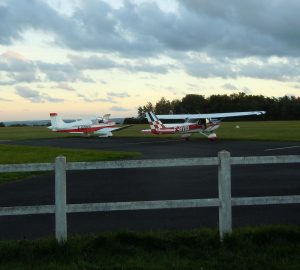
{"points": [[92, 62], [118, 94], [62, 72], [17, 16], [7, 82], [63, 86], [95, 99], [247, 90], [231, 27], [28, 77], [5, 99], [207, 69], [32, 95], [255, 27], [262, 68], [9, 61], [52, 99], [119, 109], [35, 96], [229, 86], [96, 62], [17, 68]]}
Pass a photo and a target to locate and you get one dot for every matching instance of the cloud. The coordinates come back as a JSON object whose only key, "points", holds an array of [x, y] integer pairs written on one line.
{"points": [[96, 62], [5, 99], [63, 86], [65, 72], [17, 68], [279, 69], [119, 109], [246, 90], [95, 99], [229, 86], [118, 95], [35, 96], [138, 30], [92, 62], [233, 28]]}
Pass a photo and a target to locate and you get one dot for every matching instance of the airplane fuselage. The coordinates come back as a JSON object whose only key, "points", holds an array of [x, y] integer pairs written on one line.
{"points": [[82, 126], [185, 128]]}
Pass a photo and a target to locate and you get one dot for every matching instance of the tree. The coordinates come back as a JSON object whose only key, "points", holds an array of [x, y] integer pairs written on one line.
{"points": [[193, 104], [176, 106], [163, 106], [143, 109], [2, 124]]}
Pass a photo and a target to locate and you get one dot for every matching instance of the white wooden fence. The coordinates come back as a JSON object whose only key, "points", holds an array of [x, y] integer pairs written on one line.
{"points": [[224, 201]]}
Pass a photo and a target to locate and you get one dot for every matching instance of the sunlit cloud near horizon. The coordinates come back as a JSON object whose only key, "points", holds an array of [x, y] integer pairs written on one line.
{"points": [[93, 57]]}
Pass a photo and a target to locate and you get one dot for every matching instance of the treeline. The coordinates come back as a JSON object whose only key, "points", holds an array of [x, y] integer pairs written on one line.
{"points": [[282, 108]]}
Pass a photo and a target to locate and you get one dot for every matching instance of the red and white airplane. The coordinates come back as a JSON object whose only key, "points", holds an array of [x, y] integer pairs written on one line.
{"points": [[101, 126], [204, 124]]}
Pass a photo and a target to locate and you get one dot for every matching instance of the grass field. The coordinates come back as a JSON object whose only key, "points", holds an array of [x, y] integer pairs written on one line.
{"points": [[250, 130], [272, 247], [27, 133], [15, 154]]}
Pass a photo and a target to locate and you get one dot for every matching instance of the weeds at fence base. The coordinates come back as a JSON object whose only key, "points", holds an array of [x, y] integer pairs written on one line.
{"points": [[267, 247]]}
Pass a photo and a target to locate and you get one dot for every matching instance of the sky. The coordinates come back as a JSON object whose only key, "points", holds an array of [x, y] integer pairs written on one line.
{"points": [[91, 57]]}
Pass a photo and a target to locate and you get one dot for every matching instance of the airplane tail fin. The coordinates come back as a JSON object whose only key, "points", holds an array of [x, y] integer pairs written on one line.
{"points": [[56, 121], [154, 122], [106, 118]]}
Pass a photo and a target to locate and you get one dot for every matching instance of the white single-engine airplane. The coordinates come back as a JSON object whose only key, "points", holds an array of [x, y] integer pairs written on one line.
{"points": [[205, 124], [100, 126]]}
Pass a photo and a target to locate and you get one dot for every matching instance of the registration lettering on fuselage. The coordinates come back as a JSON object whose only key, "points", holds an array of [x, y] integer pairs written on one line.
{"points": [[83, 126], [183, 128]]}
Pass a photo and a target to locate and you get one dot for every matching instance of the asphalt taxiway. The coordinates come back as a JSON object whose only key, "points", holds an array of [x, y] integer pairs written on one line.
{"points": [[156, 184]]}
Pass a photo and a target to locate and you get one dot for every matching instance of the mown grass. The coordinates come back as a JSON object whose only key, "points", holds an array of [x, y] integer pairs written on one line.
{"points": [[250, 130], [16, 154], [269, 247], [27, 133]]}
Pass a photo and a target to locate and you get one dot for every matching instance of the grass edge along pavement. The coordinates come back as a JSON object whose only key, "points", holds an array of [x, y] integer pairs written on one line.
{"points": [[263, 247], [17, 154]]}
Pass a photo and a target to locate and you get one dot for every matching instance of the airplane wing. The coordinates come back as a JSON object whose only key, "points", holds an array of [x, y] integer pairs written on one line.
{"points": [[106, 130], [209, 115]]}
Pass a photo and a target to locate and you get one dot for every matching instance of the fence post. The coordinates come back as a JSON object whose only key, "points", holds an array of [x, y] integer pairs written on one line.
{"points": [[224, 186], [60, 200]]}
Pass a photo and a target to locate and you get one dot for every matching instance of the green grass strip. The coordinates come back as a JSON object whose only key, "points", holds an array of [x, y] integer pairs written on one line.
{"points": [[28, 133], [16, 154], [260, 248]]}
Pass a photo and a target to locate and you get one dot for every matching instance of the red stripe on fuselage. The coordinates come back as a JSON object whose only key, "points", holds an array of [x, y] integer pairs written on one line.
{"points": [[85, 130]]}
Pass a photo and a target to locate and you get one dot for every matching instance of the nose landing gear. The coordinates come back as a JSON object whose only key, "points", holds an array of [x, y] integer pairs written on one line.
{"points": [[212, 137]]}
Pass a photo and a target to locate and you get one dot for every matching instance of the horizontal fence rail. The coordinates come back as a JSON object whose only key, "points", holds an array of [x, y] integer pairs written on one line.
{"points": [[224, 201], [150, 163]]}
